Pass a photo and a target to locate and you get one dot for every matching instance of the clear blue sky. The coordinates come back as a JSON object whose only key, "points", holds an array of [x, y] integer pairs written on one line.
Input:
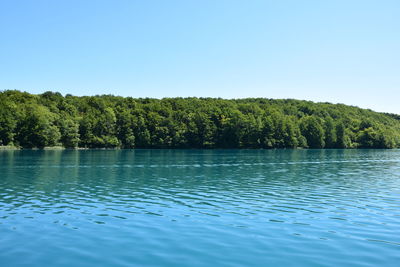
{"points": [[335, 51]]}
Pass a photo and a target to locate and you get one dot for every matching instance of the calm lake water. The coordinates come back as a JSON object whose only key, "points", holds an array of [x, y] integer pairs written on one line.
{"points": [[200, 208]]}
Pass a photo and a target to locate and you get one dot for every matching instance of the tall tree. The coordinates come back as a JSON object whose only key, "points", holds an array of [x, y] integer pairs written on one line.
{"points": [[313, 131]]}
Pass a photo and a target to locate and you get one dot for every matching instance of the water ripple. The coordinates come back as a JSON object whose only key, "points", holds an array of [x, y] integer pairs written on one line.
{"points": [[200, 207]]}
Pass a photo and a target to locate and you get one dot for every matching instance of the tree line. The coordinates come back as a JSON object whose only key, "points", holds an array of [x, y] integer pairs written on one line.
{"points": [[107, 121]]}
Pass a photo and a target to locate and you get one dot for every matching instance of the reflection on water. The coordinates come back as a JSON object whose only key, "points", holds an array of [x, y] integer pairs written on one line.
{"points": [[200, 207]]}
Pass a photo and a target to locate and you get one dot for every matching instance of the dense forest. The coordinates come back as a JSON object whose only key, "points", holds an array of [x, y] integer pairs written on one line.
{"points": [[106, 121]]}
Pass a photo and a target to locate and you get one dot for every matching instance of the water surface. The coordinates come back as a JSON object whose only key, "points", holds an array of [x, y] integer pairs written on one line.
{"points": [[200, 208]]}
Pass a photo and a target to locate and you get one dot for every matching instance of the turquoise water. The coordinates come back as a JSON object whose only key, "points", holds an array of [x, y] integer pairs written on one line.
{"points": [[200, 208]]}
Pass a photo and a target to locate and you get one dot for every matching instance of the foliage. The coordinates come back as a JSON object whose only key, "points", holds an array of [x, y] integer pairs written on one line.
{"points": [[108, 121]]}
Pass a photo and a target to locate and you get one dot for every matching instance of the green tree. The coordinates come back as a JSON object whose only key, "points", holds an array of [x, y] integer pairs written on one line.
{"points": [[37, 128], [313, 131], [342, 139], [111, 121], [69, 130], [330, 133], [8, 122]]}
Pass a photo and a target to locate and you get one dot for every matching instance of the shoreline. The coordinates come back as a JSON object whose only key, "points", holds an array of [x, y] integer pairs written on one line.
{"points": [[4, 148]]}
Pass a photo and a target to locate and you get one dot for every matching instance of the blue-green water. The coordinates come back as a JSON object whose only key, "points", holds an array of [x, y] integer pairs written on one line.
{"points": [[200, 208]]}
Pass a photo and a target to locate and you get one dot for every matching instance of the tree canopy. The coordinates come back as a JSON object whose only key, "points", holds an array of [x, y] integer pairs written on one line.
{"points": [[106, 121]]}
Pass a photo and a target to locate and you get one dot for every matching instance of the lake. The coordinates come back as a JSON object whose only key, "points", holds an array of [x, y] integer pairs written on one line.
{"points": [[200, 208]]}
